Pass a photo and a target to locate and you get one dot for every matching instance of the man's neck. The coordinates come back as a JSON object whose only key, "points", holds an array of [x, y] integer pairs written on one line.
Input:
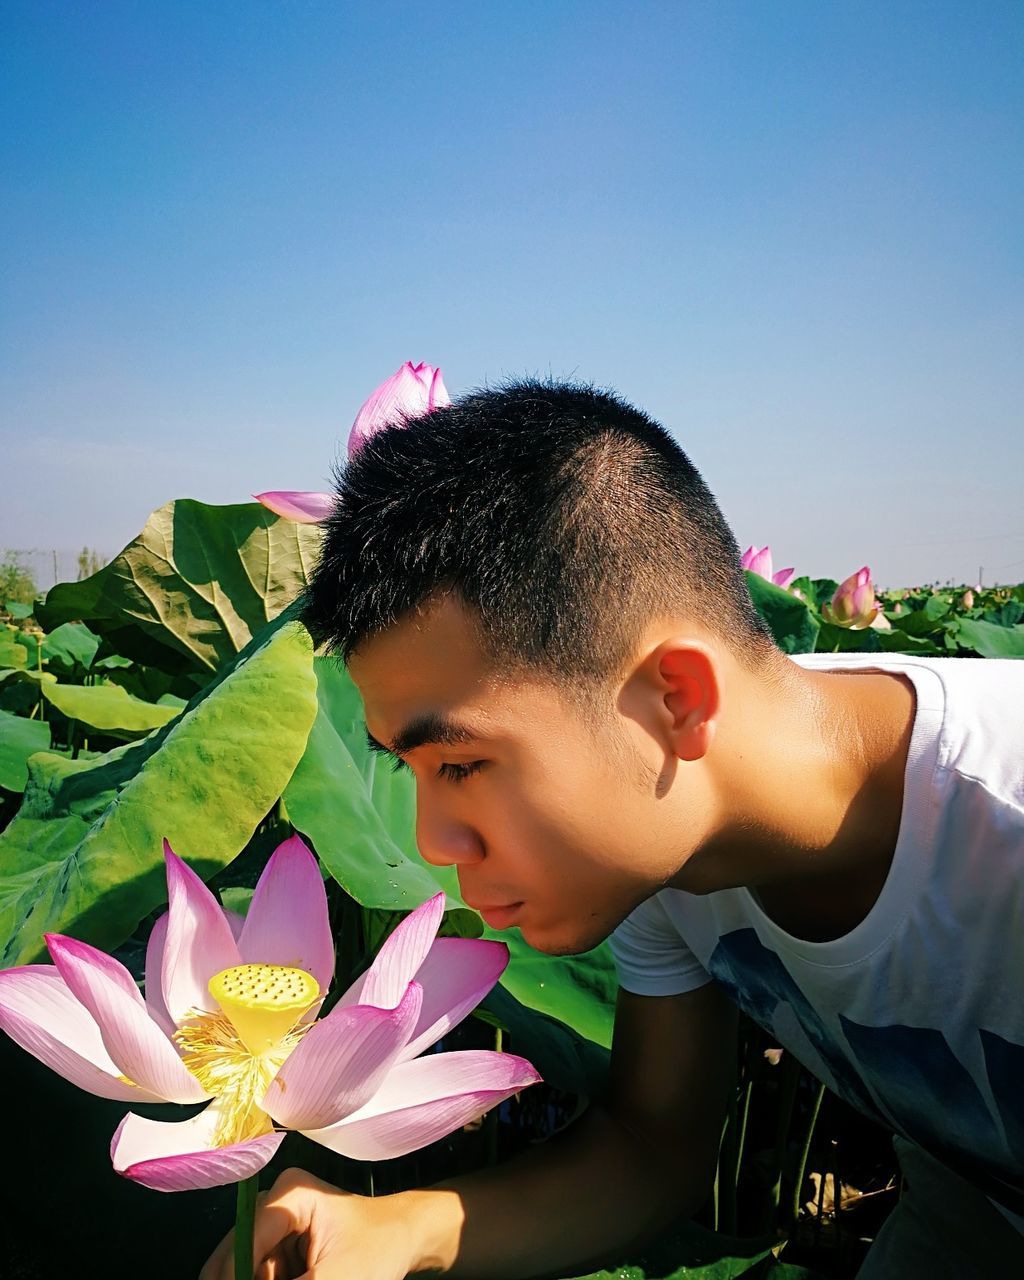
{"points": [[812, 813]]}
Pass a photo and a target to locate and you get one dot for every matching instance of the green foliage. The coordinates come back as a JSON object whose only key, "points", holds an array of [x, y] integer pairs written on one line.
{"points": [[12, 654], [193, 588], [989, 639], [108, 708], [69, 649], [19, 739], [929, 624], [794, 626], [17, 586], [89, 562], [84, 853], [577, 990]]}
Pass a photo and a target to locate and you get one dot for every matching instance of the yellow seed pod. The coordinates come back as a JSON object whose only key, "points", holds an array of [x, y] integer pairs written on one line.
{"points": [[263, 1001]]}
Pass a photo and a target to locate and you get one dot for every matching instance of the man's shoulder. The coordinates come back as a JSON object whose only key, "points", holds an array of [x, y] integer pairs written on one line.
{"points": [[976, 705]]}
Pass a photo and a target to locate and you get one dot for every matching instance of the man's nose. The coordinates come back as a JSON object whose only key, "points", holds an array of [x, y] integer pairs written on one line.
{"points": [[444, 842]]}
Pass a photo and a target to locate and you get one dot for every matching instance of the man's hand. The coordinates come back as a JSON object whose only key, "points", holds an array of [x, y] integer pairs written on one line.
{"points": [[307, 1228]]}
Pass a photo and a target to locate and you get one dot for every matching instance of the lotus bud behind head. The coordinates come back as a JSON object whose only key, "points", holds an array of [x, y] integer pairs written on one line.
{"points": [[414, 390], [760, 562], [854, 604]]}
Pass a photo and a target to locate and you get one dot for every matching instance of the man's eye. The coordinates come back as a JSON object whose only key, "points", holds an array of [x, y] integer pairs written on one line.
{"points": [[398, 765], [459, 772]]}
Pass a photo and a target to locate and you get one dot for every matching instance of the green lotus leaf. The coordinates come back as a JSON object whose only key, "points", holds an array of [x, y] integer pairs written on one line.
{"points": [[84, 856], [792, 623], [72, 645], [990, 639], [19, 739], [194, 587], [12, 654], [109, 708]]}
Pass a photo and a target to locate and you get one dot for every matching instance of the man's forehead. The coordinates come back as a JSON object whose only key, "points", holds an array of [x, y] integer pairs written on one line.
{"points": [[433, 658]]}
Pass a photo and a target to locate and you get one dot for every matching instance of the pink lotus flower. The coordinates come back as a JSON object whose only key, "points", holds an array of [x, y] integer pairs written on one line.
{"points": [[854, 604], [760, 562], [229, 1014], [414, 390]]}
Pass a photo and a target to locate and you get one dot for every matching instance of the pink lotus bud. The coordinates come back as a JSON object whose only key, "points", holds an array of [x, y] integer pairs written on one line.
{"points": [[760, 562], [854, 604], [414, 390], [967, 599]]}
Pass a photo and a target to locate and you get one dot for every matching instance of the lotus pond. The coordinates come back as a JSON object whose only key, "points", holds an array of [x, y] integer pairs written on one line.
{"points": [[172, 695]]}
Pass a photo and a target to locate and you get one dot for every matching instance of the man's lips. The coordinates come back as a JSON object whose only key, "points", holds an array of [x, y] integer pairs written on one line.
{"points": [[499, 917]]}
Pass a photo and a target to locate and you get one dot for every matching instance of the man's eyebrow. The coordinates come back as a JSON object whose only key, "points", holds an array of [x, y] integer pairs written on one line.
{"points": [[426, 730]]}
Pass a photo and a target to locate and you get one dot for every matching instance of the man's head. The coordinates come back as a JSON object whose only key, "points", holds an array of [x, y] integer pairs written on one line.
{"points": [[517, 563]]}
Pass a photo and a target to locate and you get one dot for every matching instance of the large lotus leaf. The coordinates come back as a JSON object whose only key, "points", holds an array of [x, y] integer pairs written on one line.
{"points": [[565, 1059], [109, 708], [577, 990], [83, 855], [792, 623], [18, 610], [990, 639], [12, 654], [1007, 615], [71, 646], [19, 739], [197, 583], [30, 642], [19, 675]]}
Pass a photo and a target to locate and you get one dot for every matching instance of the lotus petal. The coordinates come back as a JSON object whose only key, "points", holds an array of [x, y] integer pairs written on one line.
{"points": [[761, 562], [399, 959], [340, 1062], [154, 970], [782, 577], [288, 922], [199, 941], [154, 967], [424, 1100], [455, 976], [413, 390], [39, 1012], [136, 1044], [179, 1157], [292, 504]]}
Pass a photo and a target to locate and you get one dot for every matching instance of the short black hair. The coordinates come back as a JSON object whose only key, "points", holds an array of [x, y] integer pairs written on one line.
{"points": [[566, 519]]}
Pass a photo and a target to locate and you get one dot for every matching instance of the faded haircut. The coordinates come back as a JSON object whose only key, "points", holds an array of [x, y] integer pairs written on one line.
{"points": [[565, 519]]}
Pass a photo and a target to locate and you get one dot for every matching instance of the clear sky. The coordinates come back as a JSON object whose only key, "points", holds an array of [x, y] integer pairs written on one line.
{"points": [[793, 232]]}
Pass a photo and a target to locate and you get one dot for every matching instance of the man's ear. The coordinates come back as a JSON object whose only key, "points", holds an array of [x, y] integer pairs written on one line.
{"points": [[687, 676]]}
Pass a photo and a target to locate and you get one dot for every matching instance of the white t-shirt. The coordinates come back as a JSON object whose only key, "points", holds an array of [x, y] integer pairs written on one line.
{"points": [[916, 1016]]}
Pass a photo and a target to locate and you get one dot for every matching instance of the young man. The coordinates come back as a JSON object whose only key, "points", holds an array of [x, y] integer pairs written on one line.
{"points": [[544, 611]]}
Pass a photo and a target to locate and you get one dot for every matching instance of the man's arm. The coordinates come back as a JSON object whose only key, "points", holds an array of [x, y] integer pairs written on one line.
{"points": [[616, 1177]]}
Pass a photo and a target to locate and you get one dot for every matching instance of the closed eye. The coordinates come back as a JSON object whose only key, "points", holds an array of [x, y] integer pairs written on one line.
{"points": [[460, 772]]}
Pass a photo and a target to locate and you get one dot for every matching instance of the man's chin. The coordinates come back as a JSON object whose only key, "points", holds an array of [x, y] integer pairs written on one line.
{"points": [[564, 940]]}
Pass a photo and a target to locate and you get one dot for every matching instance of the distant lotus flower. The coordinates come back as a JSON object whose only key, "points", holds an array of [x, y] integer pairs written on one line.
{"points": [[854, 604], [414, 390], [760, 562], [967, 599], [229, 1015]]}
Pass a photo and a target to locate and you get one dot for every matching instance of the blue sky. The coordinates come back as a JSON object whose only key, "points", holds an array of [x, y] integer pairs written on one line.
{"points": [[790, 231]]}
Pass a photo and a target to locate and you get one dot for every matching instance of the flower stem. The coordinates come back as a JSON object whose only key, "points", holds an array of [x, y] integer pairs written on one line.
{"points": [[245, 1221]]}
